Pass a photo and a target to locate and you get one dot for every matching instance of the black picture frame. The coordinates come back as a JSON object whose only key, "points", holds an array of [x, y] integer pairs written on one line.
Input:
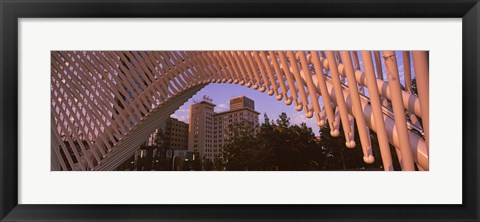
{"points": [[11, 11]]}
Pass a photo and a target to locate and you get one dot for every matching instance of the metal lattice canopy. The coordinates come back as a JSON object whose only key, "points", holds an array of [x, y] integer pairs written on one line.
{"points": [[105, 104]]}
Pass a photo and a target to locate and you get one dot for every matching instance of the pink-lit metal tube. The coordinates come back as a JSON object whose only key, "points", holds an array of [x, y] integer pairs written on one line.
{"points": [[300, 83], [290, 80], [264, 75], [408, 82], [307, 75], [420, 62], [378, 64], [358, 113], [350, 142], [324, 92], [236, 70], [356, 64], [241, 67], [279, 74], [377, 111], [273, 81], [230, 66], [410, 101], [256, 80], [417, 144], [220, 60], [398, 110]]}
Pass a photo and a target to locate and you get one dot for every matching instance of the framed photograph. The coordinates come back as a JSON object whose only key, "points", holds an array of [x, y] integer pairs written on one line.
{"points": [[224, 110]]}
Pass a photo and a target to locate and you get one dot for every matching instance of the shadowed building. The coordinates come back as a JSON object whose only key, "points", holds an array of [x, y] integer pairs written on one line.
{"points": [[210, 131], [175, 136]]}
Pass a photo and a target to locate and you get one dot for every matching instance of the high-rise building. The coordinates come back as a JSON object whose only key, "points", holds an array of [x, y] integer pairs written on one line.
{"points": [[200, 137], [210, 131], [241, 102]]}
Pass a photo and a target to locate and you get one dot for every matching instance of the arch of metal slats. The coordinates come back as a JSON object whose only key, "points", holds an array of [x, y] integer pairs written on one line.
{"points": [[105, 104]]}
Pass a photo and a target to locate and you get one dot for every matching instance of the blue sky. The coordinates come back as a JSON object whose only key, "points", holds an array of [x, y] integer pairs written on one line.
{"points": [[222, 92]]}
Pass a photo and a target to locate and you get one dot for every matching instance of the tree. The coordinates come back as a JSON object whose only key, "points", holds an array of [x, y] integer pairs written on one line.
{"points": [[414, 87], [339, 157], [218, 164], [160, 159], [240, 151], [283, 121], [276, 146], [207, 164]]}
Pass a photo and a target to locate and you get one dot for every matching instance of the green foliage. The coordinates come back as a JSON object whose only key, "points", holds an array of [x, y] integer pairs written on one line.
{"points": [[278, 145], [160, 140], [414, 87], [207, 164], [160, 161], [339, 157], [218, 164]]}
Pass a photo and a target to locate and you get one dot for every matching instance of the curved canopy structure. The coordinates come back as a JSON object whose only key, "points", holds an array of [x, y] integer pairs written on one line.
{"points": [[105, 104]]}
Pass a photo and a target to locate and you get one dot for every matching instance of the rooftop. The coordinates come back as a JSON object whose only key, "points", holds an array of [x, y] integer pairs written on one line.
{"points": [[236, 110]]}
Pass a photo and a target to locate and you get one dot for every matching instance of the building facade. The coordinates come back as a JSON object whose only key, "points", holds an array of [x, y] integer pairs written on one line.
{"points": [[210, 131], [176, 135], [200, 137], [241, 102], [147, 157]]}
